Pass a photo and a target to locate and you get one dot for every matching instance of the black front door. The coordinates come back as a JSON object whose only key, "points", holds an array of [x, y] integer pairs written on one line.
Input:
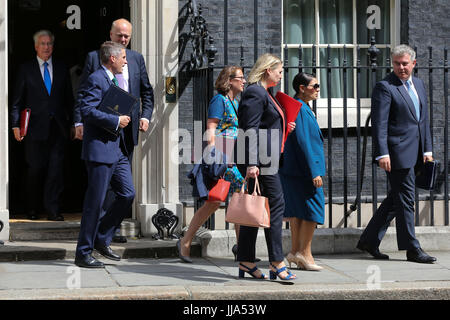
{"points": [[79, 26]]}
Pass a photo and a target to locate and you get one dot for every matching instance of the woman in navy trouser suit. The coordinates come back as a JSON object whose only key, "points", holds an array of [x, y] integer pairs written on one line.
{"points": [[262, 122]]}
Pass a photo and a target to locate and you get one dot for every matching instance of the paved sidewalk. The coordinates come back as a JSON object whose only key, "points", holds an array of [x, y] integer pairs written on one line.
{"points": [[349, 276]]}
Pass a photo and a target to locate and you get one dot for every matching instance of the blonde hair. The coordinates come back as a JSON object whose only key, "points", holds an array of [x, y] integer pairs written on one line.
{"points": [[264, 62]]}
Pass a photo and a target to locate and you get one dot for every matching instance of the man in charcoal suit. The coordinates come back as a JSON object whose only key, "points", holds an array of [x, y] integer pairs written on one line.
{"points": [[402, 141], [43, 85]]}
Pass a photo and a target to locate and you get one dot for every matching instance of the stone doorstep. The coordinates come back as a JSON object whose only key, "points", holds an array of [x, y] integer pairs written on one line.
{"points": [[60, 250], [326, 241], [66, 230]]}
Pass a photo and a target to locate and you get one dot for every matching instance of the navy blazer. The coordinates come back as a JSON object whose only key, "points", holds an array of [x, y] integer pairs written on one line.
{"points": [[98, 144], [139, 86], [396, 129], [30, 92], [304, 155], [258, 114]]}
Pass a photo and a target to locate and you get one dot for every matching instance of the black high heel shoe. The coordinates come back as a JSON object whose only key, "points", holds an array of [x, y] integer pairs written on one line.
{"points": [[234, 250], [183, 258]]}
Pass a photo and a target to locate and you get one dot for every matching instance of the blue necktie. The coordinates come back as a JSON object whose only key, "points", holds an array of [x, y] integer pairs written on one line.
{"points": [[47, 79], [414, 99]]}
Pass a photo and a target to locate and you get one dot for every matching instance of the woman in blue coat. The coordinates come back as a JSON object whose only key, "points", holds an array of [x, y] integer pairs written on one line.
{"points": [[301, 176]]}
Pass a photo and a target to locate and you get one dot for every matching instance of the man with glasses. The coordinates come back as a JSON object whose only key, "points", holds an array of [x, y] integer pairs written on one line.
{"points": [[134, 80], [43, 85], [402, 140]]}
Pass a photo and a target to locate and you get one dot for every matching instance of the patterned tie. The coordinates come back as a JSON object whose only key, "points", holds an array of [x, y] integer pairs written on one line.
{"points": [[47, 79], [413, 98], [114, 80]]}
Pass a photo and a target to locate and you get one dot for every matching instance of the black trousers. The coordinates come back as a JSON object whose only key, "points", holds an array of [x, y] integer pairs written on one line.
{"points": [[399, 204], [271, 188], [45, 171]]}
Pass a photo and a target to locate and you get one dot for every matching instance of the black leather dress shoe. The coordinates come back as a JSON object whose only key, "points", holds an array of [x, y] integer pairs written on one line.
{"points": [[119, 239], [55, 217], [418, 255], [107, 253], [374, 252], [32, 215], [88, 262]]}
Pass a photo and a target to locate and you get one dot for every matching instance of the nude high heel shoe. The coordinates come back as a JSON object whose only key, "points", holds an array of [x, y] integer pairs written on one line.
{"points": [[292, 259], [305, 265]]}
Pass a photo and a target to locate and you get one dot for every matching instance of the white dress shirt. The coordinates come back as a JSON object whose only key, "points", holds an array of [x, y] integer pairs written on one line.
{"points": [[49, 67]]}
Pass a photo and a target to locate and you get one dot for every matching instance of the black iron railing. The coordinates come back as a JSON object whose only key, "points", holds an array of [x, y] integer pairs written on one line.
{"points": [[203, 92]]}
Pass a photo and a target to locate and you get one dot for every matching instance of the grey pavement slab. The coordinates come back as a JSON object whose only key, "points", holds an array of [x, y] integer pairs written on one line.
{"points": [[50, 280], [344, 276]]}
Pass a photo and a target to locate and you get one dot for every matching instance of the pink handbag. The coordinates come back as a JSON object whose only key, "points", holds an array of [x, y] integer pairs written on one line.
{"points": [[250, 210]]}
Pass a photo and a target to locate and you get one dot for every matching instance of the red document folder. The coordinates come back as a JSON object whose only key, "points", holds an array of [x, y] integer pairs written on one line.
{"points": [[291, 108], [24, 121], [290, 105]]}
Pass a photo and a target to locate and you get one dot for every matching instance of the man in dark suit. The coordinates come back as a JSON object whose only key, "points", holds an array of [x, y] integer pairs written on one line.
{"points": [[107, 162], [44, 86], [134, 80], [402, 141]]}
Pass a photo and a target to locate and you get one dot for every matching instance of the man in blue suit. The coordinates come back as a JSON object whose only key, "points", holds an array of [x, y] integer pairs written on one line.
{"points": [[135, 80], [107, 162], [402, 141], [43, 85]]}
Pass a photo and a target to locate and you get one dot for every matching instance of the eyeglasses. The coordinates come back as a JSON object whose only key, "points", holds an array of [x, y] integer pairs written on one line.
{"points": [[316, 86], [240, 78]]}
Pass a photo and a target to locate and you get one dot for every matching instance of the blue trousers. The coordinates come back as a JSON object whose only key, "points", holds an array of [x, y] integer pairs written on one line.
{"points": [[97, 224]]}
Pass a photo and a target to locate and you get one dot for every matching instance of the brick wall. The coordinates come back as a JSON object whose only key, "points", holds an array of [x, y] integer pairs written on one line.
{"points": [[240, 32]]}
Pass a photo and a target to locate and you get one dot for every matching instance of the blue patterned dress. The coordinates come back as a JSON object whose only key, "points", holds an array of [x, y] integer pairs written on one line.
{"points": [[223, 109]]}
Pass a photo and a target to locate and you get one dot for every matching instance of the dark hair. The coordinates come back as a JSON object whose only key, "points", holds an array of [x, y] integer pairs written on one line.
{"points": [[223, 80], [302, 79]]}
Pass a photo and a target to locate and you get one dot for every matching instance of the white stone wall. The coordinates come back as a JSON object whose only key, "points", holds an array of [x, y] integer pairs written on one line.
{"points": [[155, 33]]}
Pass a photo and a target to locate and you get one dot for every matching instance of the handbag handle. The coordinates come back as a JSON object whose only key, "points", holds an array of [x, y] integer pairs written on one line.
{"points": [[256, 191]]}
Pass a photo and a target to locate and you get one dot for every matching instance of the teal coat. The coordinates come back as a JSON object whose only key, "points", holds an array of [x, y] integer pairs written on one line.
{"points": [[304, 160], [304, 156]]}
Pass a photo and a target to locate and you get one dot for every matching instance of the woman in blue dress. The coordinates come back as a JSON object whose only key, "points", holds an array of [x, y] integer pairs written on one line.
{"points": [[222, 131], [301, 176]]}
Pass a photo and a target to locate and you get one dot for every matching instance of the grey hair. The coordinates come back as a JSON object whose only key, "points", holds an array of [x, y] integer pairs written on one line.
{"points": [[110, 49], [403, 49], [41, 33]]}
